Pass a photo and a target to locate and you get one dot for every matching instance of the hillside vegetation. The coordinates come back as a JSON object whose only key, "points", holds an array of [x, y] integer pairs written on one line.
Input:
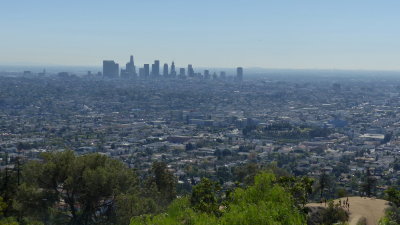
{"points": [[64, 188], [265, 202]]}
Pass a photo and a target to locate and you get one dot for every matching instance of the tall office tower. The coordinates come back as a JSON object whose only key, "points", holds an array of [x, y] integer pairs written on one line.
{"points": [[141, 72], [173, 71], [222, 75], [239, 73], [190, 70], [206, 74], [110, 68], [124, 74], [155, 68], [182, 72], [215, 76], [165, 71], [130, 67], [146, 68]]}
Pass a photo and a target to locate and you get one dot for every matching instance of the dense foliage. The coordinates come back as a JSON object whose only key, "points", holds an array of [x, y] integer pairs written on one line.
{"points": [[64, 188], [265, 202], [392, 215]]}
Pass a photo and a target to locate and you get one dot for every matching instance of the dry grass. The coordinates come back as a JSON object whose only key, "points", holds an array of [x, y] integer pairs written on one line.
{"points": [[369, 208]]}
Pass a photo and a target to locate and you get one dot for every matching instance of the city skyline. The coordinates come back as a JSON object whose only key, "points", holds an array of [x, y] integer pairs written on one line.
{"points": [[265, 34], [112, 69]]}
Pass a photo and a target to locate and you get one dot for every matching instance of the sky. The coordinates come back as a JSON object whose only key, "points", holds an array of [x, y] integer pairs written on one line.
{"points": [[290, 34]]}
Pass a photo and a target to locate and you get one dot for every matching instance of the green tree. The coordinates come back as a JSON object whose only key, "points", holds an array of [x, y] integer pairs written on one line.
{"points": [[299, 187], [5, 220], [393, 195], [246, 173], [88, 185], [134, 204], [323, 183], [392, 214], [204, 196], [3, 206], [369, 185], [8, 221], [223, 174], [179, 212], [164, 181], [8, 189]]}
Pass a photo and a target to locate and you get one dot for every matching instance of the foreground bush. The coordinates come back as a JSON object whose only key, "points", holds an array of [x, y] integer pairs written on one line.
{"points": [[265, 202]]}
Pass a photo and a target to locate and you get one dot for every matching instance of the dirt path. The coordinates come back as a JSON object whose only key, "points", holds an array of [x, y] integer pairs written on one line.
{"points": [[369, 208]]}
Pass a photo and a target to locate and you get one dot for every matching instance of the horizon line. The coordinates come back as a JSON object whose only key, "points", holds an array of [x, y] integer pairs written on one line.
{"points": [[50, 65]]}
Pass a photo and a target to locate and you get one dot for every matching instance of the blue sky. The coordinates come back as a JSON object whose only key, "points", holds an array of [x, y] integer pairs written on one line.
{"points": [[320, 34]]}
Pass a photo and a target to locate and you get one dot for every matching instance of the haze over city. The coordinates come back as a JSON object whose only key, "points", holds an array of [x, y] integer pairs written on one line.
{"points": [[357, 34]]}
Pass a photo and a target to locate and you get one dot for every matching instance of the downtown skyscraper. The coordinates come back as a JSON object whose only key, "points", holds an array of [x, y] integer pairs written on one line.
{"points": [[173, 70], [130, 70], [110, 69], [155, 68]]}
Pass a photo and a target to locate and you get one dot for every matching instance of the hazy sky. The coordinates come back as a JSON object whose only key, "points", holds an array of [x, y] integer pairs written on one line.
{"points": [[331, 34]]}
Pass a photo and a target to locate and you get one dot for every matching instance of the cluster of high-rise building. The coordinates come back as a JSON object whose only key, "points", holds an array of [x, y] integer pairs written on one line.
{"points": [[111, 70]]}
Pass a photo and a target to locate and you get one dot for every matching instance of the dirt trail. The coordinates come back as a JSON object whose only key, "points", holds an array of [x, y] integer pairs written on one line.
{"points": [[370, 208]]}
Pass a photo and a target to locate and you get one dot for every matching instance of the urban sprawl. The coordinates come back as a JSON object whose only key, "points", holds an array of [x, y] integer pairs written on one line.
{"points": [[342, 128]]}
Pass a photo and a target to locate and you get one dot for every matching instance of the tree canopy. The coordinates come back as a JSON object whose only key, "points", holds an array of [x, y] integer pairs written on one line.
{"points": [[265, 202], [86, 186]]}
